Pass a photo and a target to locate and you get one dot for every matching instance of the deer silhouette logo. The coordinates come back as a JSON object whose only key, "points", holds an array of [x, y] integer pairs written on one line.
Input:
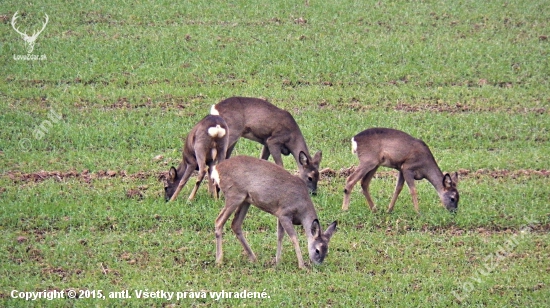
{"points": [[29, 40]]}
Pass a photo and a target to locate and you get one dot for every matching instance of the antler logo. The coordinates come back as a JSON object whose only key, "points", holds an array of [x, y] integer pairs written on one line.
{"points": [[29, 40]]}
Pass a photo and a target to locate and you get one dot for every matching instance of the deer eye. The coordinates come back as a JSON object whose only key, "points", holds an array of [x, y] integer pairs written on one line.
{"points": [[310, 178], [317, 251]]}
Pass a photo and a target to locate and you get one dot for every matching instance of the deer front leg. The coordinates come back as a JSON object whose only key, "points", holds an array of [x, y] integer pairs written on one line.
{"points": [[409, 178], [265, 153], [365, 182], [200, 177], [398, 188], [274, 147], [231, 142], [280, 236], [289, 228], [185, 177]]}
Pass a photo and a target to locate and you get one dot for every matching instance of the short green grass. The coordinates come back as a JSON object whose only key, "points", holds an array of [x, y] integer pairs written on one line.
{"points": [[470, 78]]}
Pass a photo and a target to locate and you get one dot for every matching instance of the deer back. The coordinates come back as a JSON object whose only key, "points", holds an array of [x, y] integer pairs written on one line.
{"points": [[265, 185], [258, 119], [392, 148]]}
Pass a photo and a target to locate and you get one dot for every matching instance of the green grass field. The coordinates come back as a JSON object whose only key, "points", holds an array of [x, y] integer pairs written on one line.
{"points": [[82, 209]]}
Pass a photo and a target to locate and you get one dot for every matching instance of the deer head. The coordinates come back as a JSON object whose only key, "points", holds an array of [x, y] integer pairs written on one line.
{"points": [[29, 40]]}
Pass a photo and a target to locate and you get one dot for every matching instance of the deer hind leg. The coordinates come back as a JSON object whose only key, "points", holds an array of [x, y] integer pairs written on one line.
{"points": [[212, 187], [398, 188], [286, 224], [365, 182], [185, 177], [409, 178], [231, 204], [236, 226], [222, 150], [357, 175]]}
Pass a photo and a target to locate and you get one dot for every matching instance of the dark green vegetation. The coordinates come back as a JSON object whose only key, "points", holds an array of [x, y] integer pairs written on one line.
{"points": [[470, 78]]}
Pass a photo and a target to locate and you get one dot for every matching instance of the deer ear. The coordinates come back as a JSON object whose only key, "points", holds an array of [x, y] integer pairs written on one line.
{"points": [[302, 157], [447, 181], [331, 229], [317, 158], [172, 174], [316, 228]]}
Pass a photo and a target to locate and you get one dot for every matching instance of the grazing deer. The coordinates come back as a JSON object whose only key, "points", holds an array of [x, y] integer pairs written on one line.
{"points": [[395, 149], [275, 128], [205, 145], [247, 180]]}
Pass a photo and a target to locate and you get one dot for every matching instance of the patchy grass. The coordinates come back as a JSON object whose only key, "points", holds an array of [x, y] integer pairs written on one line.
{"points": [[87, 132]]}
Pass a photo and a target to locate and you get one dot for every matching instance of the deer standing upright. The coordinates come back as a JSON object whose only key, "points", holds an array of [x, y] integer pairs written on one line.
{"points": [[205, 145], [247, 180], [395, 149], [275, 128]]}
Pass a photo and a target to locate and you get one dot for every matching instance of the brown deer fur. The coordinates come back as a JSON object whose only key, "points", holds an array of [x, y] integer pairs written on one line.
{"points": [[205, 145], [247, 180], [274, 128], [395, 149]]}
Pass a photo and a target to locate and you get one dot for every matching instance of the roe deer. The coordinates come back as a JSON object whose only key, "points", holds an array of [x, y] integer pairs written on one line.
{"points": [[395, 149], [275, 128], [205, 145], [247, 180]]}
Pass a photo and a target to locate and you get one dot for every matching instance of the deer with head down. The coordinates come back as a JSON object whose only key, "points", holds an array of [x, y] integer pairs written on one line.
{"points": [[247, 180], [275, 128], [205, 145], [410, 156]]}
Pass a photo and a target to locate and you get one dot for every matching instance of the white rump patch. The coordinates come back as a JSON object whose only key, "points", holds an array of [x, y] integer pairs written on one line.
{"points": [[353, 146], [214, 111], [217, 131], [215, 176]]}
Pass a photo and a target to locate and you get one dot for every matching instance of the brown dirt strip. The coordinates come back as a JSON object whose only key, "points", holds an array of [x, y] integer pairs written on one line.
{"points": [[401, 227], [354, 104], [436, 107], [459, 108], [326, 173], [85, 175], [504, 173]]}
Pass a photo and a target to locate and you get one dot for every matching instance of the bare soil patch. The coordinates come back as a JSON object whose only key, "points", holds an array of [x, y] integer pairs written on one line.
{"points": [[504, 173], [462, 108], [87, 176]]}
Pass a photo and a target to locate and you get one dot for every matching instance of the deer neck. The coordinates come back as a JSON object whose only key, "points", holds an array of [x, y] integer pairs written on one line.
{"points": [[306, 222], [435, 177], [181, 168], [299, 145]]}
